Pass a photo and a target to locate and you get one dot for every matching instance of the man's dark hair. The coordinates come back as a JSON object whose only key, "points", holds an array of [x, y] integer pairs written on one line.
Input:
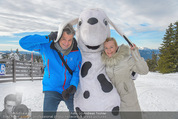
{"points": [[69, 29], [10, 97]]}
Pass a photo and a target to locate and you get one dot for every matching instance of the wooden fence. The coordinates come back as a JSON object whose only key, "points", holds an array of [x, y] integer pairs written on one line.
{"points": [[20, 71]]}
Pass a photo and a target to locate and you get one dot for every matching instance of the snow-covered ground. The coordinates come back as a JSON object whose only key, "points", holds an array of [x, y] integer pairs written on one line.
{"points": [[156, 92]]}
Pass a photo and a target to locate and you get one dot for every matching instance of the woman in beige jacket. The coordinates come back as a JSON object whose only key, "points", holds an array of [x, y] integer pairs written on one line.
{"points": [[119, 66]]}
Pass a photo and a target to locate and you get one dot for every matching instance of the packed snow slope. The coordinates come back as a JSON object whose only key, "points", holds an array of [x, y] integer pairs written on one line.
{"points": [[156, 92]]}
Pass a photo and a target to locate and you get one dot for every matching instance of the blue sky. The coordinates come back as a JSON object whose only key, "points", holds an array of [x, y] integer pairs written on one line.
{"points": [[144, 22]]}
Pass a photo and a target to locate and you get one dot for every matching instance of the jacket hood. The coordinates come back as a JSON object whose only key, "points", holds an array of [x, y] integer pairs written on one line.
{"points": [[123, 52]]}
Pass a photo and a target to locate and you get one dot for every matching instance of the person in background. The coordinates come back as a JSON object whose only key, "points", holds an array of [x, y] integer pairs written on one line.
{"points": [[120, 65], [9, 104], [59, 84]]}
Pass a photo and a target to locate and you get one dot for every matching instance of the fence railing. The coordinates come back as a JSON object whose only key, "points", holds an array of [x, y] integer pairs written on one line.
{"points": [[20, 71]]}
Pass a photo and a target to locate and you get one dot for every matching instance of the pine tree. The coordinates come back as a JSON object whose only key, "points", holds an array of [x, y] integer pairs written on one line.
{"points": [[176, 46], [17, 51], [22, 58], [168, 62], [152, 63]]}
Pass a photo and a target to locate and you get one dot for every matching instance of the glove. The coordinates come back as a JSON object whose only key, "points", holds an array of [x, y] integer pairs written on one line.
{"points": [[52, 35], [66, 93], [134, 75], [72, 89]]}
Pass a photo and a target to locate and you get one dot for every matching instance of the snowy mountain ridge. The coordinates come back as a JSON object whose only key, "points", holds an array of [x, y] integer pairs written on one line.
{"points": [[145, 48], [145, 52]]}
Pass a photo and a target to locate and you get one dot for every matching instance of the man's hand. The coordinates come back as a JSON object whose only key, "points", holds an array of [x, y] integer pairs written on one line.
{"points": [[72, 89], [52, 35], [66, 93]]}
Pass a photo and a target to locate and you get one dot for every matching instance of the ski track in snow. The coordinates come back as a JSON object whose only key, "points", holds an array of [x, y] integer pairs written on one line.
{"points": [[156, 92]]}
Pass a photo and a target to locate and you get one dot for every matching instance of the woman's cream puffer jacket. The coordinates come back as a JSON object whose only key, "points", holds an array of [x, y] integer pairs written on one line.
{"points": [[119, 68]]}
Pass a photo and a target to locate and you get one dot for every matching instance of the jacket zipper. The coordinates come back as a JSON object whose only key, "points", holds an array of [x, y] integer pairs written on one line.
{"points": [[48, 69], [63, 58], [65, 76]]}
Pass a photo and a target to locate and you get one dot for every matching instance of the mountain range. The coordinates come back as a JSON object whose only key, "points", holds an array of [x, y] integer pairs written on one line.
{"points": [[146, 53]]}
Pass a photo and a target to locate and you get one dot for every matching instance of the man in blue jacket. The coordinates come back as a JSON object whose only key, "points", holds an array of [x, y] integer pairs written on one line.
{"points": [[59, 84]]}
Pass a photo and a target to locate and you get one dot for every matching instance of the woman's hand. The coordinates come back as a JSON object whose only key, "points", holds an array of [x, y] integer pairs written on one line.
{"points": [[135, 52], [133, 47]]}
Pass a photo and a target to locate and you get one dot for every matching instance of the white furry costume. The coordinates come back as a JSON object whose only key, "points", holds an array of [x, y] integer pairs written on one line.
{"points": [[95, 91]]}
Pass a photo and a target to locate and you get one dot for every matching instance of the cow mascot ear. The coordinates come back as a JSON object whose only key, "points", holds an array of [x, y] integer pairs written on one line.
{"points": [[120, 32], [62, 25]]}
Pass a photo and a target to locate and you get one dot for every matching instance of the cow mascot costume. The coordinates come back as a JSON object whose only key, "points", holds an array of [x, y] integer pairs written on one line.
{"points": [[95, 91]]}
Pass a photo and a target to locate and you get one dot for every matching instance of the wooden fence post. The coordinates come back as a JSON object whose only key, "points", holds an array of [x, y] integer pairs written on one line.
{"points": [[14, 70]]}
